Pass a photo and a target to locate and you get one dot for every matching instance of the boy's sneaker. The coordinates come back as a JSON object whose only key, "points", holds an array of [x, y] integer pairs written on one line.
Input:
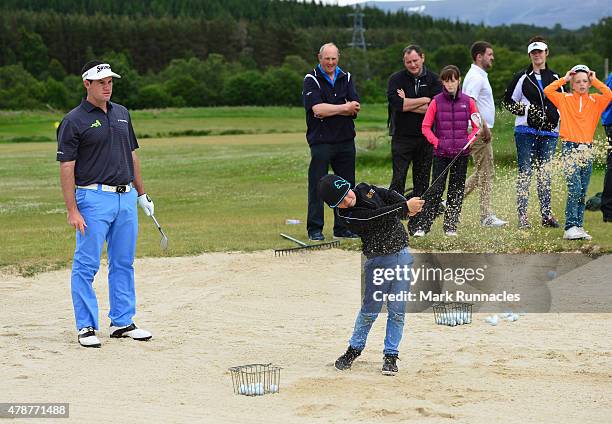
{"points": [[550, 221], [451, 233], [493, 221], [87, 337], [419, 233], [130, 331], [345, 361], [389, 365], [585, 235], [573, 233]]}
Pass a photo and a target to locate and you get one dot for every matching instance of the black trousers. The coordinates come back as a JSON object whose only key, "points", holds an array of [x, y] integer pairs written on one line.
{"points": [[454, 198], [341, 157], [606, 197], [418, 151]]}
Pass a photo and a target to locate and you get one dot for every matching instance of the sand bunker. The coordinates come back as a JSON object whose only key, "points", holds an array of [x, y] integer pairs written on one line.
{"points": [[214, 311]]}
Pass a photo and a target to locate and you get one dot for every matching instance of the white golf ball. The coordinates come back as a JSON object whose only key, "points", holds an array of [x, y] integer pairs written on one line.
{"points": [[493, 320]]}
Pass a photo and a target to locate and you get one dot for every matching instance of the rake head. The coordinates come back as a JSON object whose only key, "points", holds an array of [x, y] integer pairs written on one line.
{"points": [[320, 246]]}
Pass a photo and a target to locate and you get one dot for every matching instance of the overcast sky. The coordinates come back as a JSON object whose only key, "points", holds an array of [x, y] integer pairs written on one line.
{"points": [[345, 2]]}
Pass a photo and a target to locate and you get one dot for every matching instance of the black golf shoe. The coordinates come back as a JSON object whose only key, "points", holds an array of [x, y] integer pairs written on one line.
{"points": [[550, 221], [389, 365], [345, 361]]}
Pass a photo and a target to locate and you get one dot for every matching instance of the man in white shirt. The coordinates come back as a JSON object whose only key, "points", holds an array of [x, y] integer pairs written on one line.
{"points": [[476, 85]]}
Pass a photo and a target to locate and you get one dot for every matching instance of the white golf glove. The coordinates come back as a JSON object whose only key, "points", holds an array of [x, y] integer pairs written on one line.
{"points": [[145, 202]]}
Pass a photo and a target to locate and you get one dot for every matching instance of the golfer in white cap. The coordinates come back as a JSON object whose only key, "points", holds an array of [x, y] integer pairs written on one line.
{"points": [[101, 184]]}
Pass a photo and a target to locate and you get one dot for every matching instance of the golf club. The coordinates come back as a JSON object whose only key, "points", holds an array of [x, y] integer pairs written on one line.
{"points": [[163, 243], [475, 117]]}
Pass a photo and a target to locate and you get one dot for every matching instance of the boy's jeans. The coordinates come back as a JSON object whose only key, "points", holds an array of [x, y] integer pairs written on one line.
{"points": [[578, 164], [375, 287]]}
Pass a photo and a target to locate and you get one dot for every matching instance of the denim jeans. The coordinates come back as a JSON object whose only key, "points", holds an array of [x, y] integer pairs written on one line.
{"points": [[578, 164], [372, 303], [534, 152]]}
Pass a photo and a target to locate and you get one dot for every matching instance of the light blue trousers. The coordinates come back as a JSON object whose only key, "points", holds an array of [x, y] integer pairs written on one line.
{"points": [[112, 217]]}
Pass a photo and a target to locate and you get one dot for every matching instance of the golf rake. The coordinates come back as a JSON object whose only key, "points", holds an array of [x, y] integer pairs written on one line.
{"points": [[303, 247], [475, 117], [163, 243]]}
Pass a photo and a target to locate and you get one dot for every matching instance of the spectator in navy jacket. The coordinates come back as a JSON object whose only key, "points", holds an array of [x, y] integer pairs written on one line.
{"points": [[331, 104]]}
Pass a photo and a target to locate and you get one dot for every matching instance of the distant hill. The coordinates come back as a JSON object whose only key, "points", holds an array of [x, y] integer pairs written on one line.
{"points": [[546, 13]]}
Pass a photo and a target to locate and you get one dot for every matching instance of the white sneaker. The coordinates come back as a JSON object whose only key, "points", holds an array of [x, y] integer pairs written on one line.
{"points": [[573, 233], [419, 233], [129, 331], [493, 221], [451, 233], [585, 235], [87, 337]]}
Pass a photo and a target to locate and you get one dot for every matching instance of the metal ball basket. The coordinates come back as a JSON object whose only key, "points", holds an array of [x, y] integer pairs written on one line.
{"points": [[452, 313], [255, 379]]}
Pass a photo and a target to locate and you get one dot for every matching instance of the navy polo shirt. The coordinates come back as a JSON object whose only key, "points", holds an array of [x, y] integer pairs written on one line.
{"points": [[100, 143]]}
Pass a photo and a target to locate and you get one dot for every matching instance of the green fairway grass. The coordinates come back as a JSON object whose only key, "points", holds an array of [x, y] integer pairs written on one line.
{"points": [[40, 126], [235, 192]]}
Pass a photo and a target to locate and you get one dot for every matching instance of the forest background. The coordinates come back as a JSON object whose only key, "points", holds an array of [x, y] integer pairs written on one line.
{"points": [[178, 53]]}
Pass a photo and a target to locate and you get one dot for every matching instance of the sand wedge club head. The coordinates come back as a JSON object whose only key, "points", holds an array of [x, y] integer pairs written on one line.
{"points": [[477, 121], [303, 247], [163, 243]]}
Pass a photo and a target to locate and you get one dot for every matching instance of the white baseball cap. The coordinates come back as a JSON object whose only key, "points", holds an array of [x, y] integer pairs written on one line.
{"points": [[100, 71], [537, 45], [580, 68]]}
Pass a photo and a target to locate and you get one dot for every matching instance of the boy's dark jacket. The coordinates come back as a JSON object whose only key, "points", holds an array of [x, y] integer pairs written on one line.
{"points": [[376, 219]]}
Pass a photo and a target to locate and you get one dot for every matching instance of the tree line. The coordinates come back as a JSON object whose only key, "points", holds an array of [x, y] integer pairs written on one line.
{"points": [[205, 53]]}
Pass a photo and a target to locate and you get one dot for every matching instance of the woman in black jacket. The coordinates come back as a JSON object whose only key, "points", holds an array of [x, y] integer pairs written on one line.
{"points": [[536, 130]]}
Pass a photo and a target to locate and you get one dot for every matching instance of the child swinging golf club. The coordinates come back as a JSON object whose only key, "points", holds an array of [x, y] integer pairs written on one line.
{"points": [[374, 214]]}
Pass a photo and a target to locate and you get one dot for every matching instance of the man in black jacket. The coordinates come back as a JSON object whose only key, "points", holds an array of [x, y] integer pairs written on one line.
{"points": [[536, 130], [331, 104], [374, 214], [409, 93]]}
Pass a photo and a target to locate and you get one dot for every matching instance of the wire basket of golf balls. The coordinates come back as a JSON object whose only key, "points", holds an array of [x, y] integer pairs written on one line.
{"points": [[453, 313], [255, 379]]}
